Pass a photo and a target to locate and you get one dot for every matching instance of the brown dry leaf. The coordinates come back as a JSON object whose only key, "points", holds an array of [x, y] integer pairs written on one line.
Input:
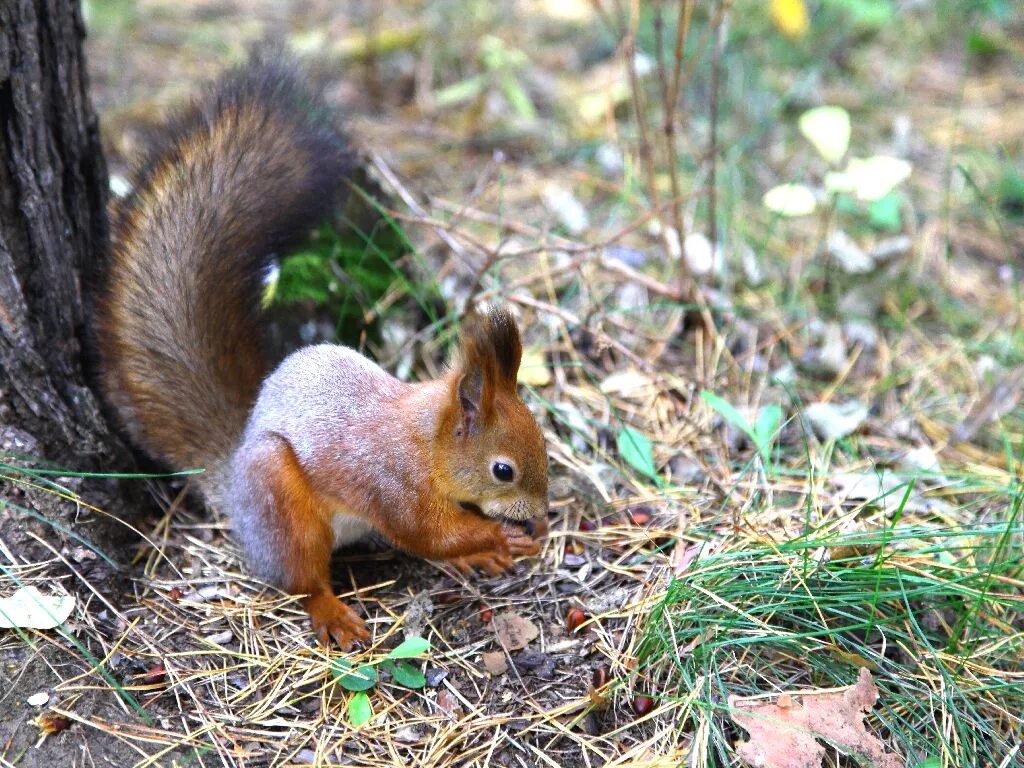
{"points": [[683, 557], [784, 734], [514, 631], [533, 369], [495, 662]]}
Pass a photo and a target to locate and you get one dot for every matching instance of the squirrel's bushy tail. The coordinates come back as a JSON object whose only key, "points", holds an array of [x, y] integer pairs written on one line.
{"points": [[240, 176]]}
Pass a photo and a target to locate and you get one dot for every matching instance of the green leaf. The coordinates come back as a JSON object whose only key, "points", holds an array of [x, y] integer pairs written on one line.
{"points": [[636, 450], [359, 709], [765, 427], [353, 679], [517, 97], [886, 213], [1011, 192], [727, 411], [981, 44], [406, 674], [867, 15], [410, 648], [929, 762], [463, 90]]}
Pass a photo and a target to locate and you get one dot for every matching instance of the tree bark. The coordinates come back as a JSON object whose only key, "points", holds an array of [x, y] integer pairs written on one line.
{"points": [[53, 236]]}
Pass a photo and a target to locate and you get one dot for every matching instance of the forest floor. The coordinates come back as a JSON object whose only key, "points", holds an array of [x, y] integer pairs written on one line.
{"points": [[779, 456]]}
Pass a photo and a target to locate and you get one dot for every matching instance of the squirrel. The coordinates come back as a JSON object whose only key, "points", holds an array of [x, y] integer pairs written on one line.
{"points": [[328, 446]]}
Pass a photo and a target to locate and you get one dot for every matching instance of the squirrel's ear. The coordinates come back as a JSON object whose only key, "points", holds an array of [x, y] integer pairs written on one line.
{"points": [[470, 393], [490, 353]]}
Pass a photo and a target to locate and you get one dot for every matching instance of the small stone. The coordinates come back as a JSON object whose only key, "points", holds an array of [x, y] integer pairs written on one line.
{"points": [[784, 374], [221, 638], [685, 471], [38, 699], [861, 301], [567, 209], [408, 734], [891, 248], [860, 332], [701, 257], [753, 272], [923, 460], [831, 422], [630, 296], [609, 159], [833, 354], [435, 676], [850, 257]]}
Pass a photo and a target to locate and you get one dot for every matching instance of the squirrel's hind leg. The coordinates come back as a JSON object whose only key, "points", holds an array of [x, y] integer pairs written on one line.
{"points": [[285, 531]]}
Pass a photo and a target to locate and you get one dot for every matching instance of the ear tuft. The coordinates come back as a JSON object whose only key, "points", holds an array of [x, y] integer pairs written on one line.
{"points": [[491, 343]]}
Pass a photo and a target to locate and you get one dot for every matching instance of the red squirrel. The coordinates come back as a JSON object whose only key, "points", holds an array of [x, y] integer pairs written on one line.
{"points": [[328, 446]]}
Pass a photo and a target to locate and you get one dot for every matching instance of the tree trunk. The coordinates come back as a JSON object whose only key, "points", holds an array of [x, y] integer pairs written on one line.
{"points": [[53, 235]]}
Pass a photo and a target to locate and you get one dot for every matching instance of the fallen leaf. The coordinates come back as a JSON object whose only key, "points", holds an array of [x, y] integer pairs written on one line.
{"points": [[448, 703], [790, 200], [495, 662], [628, 383], [830, 421], [867, 486], [869, 179], [887, 490], [28, 608], [533, 369], [568, 10], [828, 129], [636, 450], [683, 556], [514, 632], [785, 734]]}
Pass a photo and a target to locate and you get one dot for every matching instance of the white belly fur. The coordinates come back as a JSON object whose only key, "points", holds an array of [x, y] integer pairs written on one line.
{"points": [[347, 529]]}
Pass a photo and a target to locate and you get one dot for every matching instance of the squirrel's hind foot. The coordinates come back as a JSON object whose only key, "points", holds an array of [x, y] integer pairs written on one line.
{"points": [[335, 622]]}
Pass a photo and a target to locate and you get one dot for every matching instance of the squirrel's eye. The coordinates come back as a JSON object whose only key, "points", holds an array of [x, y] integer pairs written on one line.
{"points": [[503, 472]]}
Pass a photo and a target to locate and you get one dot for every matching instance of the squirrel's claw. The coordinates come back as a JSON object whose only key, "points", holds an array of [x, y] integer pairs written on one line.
{"points": [[515, 542], [519, 542], [492, 563], [334, 621]]}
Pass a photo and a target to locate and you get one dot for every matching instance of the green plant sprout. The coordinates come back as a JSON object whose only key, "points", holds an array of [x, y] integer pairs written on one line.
{"points": [[361, 679], [762, 432]]}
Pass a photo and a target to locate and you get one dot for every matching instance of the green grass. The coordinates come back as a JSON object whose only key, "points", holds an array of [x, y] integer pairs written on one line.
{"points": [[935, 612]]}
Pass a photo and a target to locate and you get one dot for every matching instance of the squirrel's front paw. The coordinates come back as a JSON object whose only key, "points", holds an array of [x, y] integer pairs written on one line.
{"points": [[492, 563], [520, 541], [333, 620], [513, 541]]}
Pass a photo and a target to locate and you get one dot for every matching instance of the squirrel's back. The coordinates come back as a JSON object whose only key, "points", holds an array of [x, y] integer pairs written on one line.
{"points": [[240, 176]]}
